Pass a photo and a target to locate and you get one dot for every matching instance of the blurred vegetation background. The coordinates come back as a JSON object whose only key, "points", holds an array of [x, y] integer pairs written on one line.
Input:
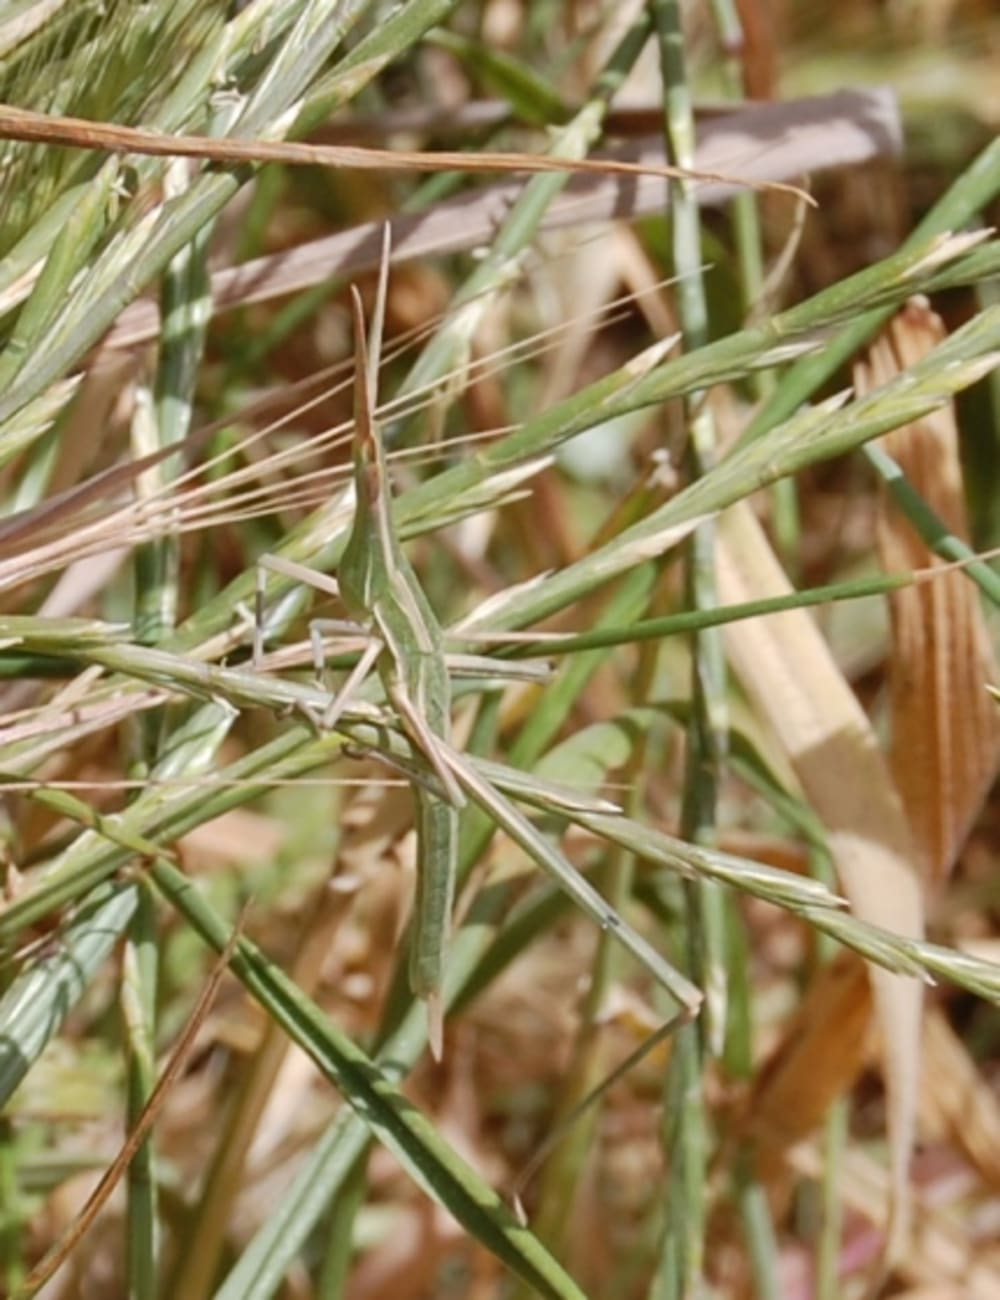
{"points": [[623, 416]]}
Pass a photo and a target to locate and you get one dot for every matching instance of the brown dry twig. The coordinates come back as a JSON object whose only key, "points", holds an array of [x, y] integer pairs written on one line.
{"points": [[80, 133]]}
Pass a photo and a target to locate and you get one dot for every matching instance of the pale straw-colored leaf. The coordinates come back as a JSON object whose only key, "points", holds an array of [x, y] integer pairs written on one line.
{"points": [[956, 1101], [791, 677]]}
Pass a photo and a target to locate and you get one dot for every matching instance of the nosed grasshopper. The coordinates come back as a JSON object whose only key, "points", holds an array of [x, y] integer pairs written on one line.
{"points": [[383, 594], [380, 590]]}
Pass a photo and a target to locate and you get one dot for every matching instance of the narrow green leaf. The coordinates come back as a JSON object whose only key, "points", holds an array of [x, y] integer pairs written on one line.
{"points": [[37, 1002], [391, 1116]]}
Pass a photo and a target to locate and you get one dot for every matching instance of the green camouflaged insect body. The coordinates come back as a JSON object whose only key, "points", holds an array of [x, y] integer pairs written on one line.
{"points": [[381, 590]]}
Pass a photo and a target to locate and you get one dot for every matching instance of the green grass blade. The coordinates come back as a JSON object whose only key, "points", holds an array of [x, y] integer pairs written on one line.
{"points": [[975, 188], [36, 1003], [261, 1267], [394, 1119], [138, 998]]}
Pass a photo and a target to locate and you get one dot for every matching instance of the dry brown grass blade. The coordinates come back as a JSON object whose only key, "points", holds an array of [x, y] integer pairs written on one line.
{"points": [[828, 1040], [768, 141], [945, 728], [81, 133], [794, 683]]}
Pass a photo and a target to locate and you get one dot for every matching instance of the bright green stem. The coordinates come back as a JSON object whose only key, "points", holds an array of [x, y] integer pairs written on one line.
{"points": [[930, 525], [336, 1266], [751, 1195], [683, 1244], [758, 1230], [695, 619], [138, 1005], [12, 1224], [681, 1264], [186, 307]]}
